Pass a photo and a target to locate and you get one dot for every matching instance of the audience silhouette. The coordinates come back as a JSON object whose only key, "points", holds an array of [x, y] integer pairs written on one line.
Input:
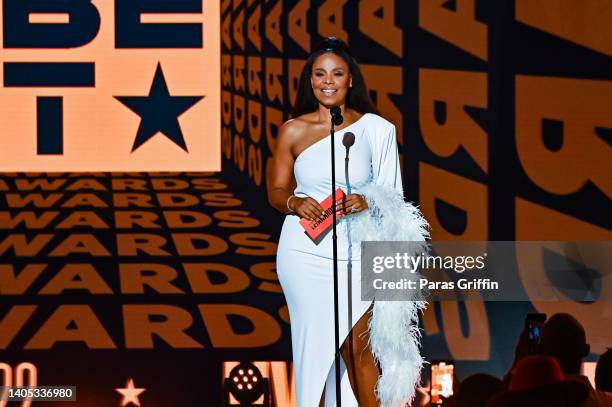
{"points": [[551, 378]]}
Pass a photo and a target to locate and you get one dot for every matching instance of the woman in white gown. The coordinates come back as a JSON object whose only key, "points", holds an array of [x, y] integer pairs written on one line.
{"points": [[299, 180]]}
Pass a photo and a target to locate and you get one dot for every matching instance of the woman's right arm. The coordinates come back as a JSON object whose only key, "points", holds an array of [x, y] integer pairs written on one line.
{"points": [[280, 181]]}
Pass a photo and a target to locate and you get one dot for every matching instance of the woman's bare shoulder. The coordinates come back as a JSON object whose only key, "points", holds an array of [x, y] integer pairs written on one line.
{"points": [[294, 128]]}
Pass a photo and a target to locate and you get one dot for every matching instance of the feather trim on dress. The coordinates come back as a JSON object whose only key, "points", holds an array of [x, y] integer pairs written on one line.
{"points": [[393, 329]]}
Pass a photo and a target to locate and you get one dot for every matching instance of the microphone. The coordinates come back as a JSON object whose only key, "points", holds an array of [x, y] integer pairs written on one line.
{"points": [[336, 114], [348, 140]]}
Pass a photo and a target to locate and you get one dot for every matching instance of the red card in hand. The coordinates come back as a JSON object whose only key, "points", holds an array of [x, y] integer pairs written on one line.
{"points": [[318, 228]]}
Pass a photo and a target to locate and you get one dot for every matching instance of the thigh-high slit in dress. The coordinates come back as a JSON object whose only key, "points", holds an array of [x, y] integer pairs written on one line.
{"points": [[305, 269]]}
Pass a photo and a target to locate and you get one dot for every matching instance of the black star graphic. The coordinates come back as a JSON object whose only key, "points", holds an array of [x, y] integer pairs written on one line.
{"points": [[159, 111]]}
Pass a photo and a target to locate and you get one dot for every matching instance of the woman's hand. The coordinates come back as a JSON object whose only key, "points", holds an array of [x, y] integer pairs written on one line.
{"points": [[353, 203], [306, 208]]}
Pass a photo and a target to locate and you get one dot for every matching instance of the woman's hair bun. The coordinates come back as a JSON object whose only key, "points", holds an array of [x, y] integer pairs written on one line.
{"points": [[331, 44]]}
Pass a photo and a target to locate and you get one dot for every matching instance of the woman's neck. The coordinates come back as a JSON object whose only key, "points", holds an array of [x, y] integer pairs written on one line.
{"points": [[324, 113]]}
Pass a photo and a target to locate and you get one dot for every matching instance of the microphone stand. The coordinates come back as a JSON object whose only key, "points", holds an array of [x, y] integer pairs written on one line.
{"points": [[348, 140], [336, 119]]}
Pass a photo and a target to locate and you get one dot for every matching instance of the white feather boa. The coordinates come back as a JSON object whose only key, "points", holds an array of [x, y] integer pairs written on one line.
{"points": [[393, 328]]}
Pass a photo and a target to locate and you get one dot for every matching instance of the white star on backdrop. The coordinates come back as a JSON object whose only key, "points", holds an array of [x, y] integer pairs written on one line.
{"points": [[130, 393]]}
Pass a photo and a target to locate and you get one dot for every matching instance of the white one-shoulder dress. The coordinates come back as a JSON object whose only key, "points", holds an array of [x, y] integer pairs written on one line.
{"points": [[305, 269]]}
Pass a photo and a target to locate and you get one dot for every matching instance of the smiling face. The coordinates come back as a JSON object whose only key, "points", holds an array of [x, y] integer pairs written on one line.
{"points": [[330, 79]]}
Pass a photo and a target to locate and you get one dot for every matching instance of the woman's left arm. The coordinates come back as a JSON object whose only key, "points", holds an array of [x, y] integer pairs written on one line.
{"points": [[385, 159], [385, 167]]}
